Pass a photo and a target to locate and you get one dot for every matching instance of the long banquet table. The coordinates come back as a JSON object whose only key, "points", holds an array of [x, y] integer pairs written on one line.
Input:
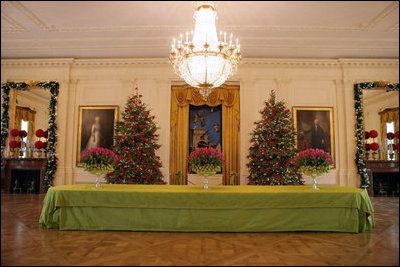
{"points": [[220, 209]]}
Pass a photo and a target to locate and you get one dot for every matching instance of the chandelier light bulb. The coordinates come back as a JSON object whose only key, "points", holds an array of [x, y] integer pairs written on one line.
{"points": [[204, 61]]}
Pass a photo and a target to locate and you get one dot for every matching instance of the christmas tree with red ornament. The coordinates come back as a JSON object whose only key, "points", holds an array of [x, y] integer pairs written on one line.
{"points": [[135, 144], [273, 147]]}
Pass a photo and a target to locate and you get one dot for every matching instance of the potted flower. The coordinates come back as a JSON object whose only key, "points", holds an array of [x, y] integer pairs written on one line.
{"points": [[13, 144], [206, 162], [38, 148], [313, 162], [374, 147], [98, 161], [39, 144]]}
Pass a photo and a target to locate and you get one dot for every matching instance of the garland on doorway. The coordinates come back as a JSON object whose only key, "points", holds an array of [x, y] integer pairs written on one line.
{"points": [[52, 140], [358, 93]]}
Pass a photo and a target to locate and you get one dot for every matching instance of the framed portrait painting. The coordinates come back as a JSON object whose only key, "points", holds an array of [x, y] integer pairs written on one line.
{"points": [[314, 127], [95, 128]]}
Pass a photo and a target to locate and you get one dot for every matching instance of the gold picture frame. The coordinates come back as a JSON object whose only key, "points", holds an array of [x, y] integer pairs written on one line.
{"points": [[96, 128], [315, 129]]}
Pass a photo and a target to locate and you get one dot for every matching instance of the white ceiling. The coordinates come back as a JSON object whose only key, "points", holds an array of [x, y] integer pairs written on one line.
{"points": [[139, 29]]}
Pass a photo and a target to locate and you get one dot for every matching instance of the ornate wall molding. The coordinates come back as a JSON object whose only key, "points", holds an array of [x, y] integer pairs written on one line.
{"points": [[292, 62], [57, 62], [119, 62], [368, 62], [126, 62]]}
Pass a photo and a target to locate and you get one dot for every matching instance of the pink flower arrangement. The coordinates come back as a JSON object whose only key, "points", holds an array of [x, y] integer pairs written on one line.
{"points": [[98, 157], [390, 135], [14, 132], [374, 146], [206, 157], [313, 157], [373, 134]]}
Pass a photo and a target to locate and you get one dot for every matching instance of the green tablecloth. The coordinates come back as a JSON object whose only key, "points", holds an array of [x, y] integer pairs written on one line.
{"points": [[219, 209]]}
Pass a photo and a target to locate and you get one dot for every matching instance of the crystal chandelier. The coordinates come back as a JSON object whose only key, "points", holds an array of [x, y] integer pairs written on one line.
{"points": [[202, 60]]}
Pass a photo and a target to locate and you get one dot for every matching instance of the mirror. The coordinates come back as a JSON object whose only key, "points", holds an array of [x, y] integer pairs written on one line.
{"points": [[30, 112], [13, 87], [381, 113]]}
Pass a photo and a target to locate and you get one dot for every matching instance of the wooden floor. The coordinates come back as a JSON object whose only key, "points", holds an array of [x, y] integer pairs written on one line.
{"points": [[24, 242]]}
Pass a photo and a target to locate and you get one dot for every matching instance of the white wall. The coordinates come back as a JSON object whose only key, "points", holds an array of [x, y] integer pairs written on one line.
{"points": [[299, 82]]}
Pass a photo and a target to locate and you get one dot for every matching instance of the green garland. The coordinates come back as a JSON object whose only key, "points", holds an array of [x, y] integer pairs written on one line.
{"points": [[360, 162], [52, 139]]}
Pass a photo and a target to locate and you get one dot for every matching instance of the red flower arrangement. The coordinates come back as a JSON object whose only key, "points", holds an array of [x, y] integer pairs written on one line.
{"points": [[373, 134], [367, 147], [38, 144], [313, 161], [366, 135], [374, 146], [98, 160], [206, 156], [23, 134], [46, 134], [13, 144], [14, 132], [397, 146], [44, 145], [396, 134], [39, 133]]}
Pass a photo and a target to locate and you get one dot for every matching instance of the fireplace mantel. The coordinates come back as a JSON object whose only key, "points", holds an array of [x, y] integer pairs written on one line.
{"points": [[10, 164]]}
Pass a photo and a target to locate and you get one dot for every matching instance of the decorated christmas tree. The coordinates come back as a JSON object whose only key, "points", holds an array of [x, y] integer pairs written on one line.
{"points": [[135, 146], [273, 147]]}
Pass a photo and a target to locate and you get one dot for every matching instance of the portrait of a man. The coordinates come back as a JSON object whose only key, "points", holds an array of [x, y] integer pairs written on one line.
{"points": [[314, 127]]}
